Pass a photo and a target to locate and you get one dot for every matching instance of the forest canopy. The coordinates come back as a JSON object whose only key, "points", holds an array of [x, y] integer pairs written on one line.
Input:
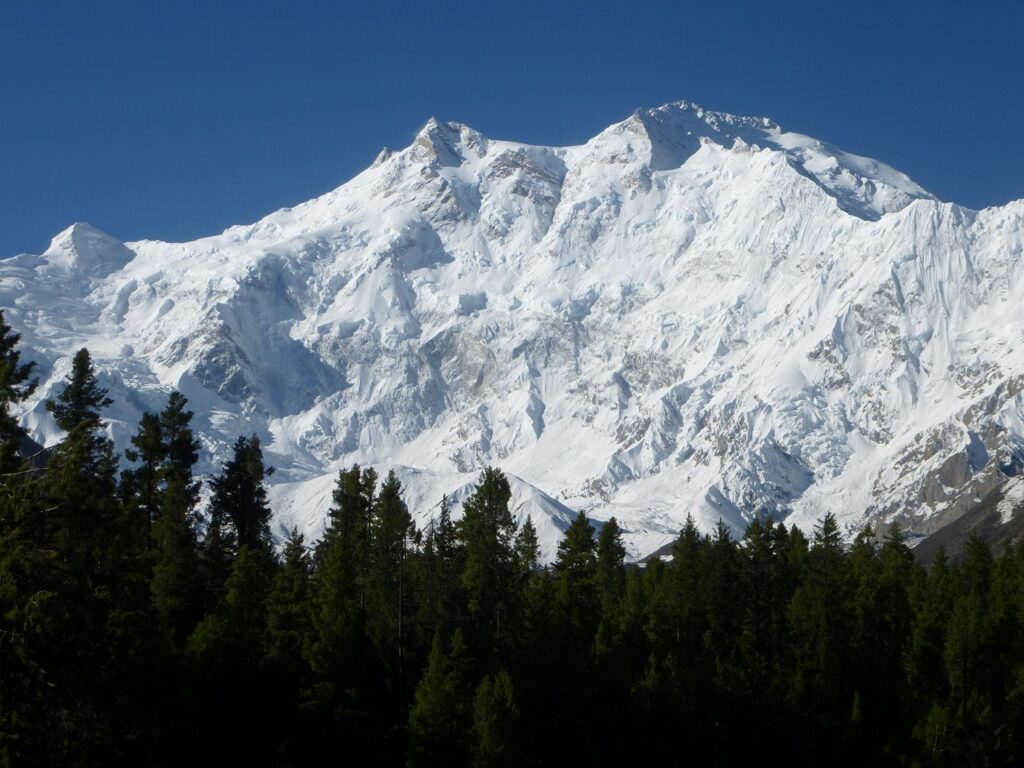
{"points": [[141, 627]]}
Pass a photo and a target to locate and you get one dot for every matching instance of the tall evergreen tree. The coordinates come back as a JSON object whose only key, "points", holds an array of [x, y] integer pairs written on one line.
{"points": [[684, 616], [240, 496], [341, 559], [610, 574], [440, 723], [288, 627], [176, 585], [576, 566], [141, 486], [228, 652], [487, 531], [94, 580], [81, 473], [24, 559], [288, 621], [821, 616], [527, 548], [392, 532], [82, 398], [389, 590], [16, 386], [440, 582], [496, 723], [763, 594], [345, 694], [973, 652]]}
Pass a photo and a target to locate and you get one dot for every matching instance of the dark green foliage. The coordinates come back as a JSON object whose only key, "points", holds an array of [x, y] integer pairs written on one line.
{"points": [[610, 574], [345, 699], [576, 567], [239, 505], [496, 724], [140, 487], [25, 558], [75, 595], [288, 621], [228, 655], [132, 634], [527, 549], [439, 724], [487, 534], [391, 535], [176, 586], [439, 571], [340, 581], [82, 398], [822, 625], [16, 385]]}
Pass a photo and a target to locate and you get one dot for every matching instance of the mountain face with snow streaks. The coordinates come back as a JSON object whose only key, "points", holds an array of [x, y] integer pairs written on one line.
{"points": [[692, 313]]}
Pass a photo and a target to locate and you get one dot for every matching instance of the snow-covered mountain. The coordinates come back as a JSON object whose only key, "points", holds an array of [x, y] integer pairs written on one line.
{"points": [[690, 313]]}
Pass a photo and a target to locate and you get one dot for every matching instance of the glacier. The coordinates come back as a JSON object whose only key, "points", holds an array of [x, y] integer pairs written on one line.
{"points": [[691, 313]]}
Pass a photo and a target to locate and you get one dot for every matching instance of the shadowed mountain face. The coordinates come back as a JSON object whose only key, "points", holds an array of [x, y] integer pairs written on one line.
{"points": [[690, 313], [997, 519]]}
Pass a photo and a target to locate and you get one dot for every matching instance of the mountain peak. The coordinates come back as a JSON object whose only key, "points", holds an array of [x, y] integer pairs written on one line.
{"points": [[446, 143], [665, 137], [691, 312], [84, 250]]}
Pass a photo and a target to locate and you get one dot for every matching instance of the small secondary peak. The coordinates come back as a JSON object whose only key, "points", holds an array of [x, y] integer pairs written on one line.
{"points": [[446, 142], [85, 250]]}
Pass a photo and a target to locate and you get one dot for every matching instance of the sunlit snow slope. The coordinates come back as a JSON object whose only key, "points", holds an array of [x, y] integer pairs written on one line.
{"points": [[690, 313]]}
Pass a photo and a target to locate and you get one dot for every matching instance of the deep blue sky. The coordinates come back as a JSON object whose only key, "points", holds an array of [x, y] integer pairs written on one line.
{"points": [[174, 120]]}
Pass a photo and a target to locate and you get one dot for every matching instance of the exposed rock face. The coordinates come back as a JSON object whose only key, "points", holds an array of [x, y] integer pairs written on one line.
{"points": [[997, 518], [690, 313]]}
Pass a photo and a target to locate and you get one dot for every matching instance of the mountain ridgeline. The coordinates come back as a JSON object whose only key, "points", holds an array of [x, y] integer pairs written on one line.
{"points": [[692, 313], [140, 625]]}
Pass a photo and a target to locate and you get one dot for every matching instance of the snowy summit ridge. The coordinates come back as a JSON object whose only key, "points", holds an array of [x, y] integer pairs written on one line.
{"points": [[690, 313]]}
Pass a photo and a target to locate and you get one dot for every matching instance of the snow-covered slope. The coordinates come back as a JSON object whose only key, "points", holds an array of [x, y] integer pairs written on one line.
{"points": [[690, 313]]}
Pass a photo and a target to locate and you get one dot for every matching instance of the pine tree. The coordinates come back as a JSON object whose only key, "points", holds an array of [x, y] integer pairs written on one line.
{"points": [[340, 579], [82, 398], [94, 579], [240, 496], [821, 613], [684, 615], [487, 532], [759, 640], [16, 386], [610, 575], [392, 531], [287, 674], [236, 627], [176, 586], [181, 449], [228, 652], [288, 621], [527, 548], [26, 701], [894, 624], [440, 581], [973, 654], [496, 723], [576, 566], [721, 574], [80, 478], [345, 695], [439, 725], [388, 604], [140, 488]]}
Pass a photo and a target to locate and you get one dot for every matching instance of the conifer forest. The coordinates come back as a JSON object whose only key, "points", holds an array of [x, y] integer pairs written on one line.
{"points": [[146, 621]]}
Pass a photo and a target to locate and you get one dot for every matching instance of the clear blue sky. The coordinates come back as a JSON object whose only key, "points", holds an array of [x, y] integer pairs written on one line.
{"points": [[174, 120]]}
